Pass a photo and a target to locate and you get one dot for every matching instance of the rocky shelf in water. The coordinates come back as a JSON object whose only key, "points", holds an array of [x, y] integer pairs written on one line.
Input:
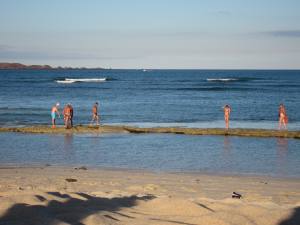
{"points": [[171, 130]]}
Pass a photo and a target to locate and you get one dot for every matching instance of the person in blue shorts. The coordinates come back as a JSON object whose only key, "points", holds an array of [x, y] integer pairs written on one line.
{"points": [[54, 111]]}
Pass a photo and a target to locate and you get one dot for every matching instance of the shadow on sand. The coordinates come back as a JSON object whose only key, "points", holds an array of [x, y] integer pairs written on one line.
{"points": [[69, 210], [294, 219]]}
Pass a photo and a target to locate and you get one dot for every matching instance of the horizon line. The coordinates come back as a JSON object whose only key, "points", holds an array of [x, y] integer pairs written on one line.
{"points": [[137, 68]]}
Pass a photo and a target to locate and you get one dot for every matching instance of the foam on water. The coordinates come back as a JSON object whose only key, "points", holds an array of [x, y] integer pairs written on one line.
{"points": [[222, 79], [232, 79], [73, 80]]}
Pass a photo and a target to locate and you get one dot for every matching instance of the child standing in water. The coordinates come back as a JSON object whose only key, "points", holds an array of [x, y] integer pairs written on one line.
{"points": [[54, 111], [283, 119], [227, 111]]}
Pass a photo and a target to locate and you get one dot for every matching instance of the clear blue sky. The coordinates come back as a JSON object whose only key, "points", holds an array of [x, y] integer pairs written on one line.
{"points": [[215, 34]]}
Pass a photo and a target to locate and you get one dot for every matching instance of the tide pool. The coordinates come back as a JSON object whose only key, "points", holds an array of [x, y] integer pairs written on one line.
{"points": [[277, 157]]}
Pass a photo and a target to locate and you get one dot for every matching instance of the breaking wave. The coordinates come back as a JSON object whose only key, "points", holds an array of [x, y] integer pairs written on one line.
{"points": [[232, 79], [74, 80], [222, 79]]}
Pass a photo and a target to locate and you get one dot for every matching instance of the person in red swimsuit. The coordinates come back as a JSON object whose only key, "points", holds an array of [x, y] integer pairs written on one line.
{"points": [[283, 119], [227, 110], [67, 116]]}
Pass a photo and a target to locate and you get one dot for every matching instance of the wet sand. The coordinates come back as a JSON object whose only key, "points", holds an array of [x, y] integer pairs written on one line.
{"points": [[65, 195], [172, 130]]}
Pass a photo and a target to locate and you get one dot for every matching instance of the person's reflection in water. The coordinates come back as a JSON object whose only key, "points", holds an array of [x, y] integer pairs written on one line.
{"points": [[282, 150], [282, 147], [226, 145], [68, 142], [226, 161]]}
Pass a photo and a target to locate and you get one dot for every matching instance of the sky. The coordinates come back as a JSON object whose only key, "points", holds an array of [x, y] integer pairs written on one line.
{"points": [[153, 34]]}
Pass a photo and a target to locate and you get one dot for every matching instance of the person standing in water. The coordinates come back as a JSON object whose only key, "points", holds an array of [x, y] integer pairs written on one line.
{"points": [[67, 116], [283, 119], [71, 114], [54, 111], [227, 110], [95, 113]]}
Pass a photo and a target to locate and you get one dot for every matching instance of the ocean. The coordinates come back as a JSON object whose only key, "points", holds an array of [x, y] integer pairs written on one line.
{"points": [[152, 98]]}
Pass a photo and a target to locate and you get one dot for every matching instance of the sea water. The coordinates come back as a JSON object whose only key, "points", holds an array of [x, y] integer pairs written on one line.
{"points": [[192, 98], [151, 98]]}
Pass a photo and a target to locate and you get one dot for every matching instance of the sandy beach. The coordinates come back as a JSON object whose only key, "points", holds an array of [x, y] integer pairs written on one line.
{"points": [[68, 195], [149, 112]]}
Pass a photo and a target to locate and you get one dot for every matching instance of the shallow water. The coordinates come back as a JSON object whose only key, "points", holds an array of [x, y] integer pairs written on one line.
{"points": [[184, 98], [157, 152]]}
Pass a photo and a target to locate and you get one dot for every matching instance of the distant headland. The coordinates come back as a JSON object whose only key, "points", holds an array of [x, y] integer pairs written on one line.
{"points": [[5, 65]]}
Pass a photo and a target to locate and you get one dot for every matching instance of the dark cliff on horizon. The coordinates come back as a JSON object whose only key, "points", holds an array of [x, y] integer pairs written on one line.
{"points": [[5, 65]]}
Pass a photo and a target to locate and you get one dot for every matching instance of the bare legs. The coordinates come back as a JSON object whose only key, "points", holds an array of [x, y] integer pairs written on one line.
{"points": [[226, 122], [282, 123], [95, 117], [67, 121], [53, 123]]}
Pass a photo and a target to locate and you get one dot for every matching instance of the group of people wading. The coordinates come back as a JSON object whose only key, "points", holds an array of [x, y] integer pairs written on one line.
{"points": [[68, 113], [283, 118]]}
